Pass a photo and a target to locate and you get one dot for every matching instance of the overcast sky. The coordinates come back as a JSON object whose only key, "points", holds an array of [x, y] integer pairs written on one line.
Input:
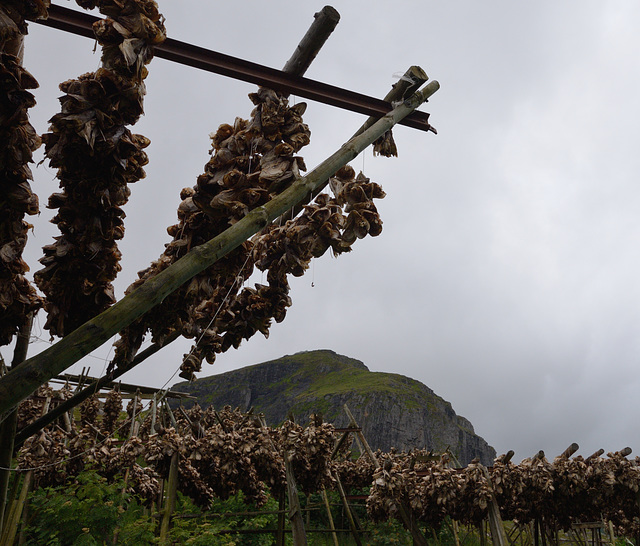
{"points": [[507, 274]]}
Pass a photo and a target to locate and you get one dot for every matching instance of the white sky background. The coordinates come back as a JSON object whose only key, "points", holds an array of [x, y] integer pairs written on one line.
{"points": [[506, 277]]}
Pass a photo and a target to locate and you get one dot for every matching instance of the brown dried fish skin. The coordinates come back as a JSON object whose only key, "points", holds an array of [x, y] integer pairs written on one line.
{"points": [[96, 156], [18, 140]]}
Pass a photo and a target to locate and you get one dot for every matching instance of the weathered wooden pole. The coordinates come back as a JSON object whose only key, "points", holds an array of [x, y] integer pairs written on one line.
{"points": [[327, 506], [295, 512], [170, 500], [498, 536], [22, 381], [325, 23], [569, 451], [281, 520], [355, 532], [17, 506], [9, 423]]}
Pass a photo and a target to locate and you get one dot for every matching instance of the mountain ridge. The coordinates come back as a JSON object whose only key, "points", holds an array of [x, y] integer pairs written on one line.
{"points": [[393, 410]]}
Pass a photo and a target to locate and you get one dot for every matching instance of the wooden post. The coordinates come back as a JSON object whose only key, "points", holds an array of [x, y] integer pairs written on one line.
{"points": [[170, 499], [498, 535], [325, 22], [612, 536], [456, 531], [295, 513], [363, 440], [330, 517], [570, 451], [9, 423], [133, 431], [154, 413], [281, 520], [595, 455], [347, 510], [172, 418]]}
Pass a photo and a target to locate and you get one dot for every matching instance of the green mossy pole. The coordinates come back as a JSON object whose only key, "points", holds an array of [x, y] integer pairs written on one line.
{"points": [[22, 381]]}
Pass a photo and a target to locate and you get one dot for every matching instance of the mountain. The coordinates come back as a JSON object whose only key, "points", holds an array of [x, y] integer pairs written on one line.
{"points": [[393, 410]]}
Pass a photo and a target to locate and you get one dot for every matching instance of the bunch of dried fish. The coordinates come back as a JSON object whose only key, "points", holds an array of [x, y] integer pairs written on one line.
{"points": [[18, 140], [356, 474], [111, 411], [252, 161], [144, 482], [309, 449], [89, 410], [43, 453], [33, 407], [96, 157]]}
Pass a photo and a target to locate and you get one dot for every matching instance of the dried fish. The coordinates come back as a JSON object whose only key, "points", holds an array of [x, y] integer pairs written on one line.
{"points": [[96, 157]]}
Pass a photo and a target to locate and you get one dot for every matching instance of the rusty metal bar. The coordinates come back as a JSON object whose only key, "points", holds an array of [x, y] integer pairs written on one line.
{"points": [[80, 23]]}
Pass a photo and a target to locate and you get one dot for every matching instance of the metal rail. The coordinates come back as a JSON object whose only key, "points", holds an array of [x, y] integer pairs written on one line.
{"points": [[80, 23]]}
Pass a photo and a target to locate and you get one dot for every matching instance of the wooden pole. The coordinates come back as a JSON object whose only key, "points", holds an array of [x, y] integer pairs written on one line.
{"points": [[281, 520], [498, 535], [595, 455], [353, 423], [325, 22], [13, 520], [295, 512], [347, 510], [25, 379], [330, 517], [9, 423], [456, 531], [570, 451], [170, 499]]}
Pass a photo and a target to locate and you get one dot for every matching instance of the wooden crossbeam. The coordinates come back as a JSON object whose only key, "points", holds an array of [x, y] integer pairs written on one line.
{"points": [[80, 23]]}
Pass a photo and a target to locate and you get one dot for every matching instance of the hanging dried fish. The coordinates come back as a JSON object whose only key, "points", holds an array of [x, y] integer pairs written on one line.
{"points": [[18, 140], [251, 161], [96, 157]]}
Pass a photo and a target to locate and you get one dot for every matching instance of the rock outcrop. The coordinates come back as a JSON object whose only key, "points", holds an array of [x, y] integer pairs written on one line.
{"points": [[393, 410]]}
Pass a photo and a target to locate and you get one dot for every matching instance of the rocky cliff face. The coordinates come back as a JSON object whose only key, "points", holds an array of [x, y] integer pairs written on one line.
{"points": [[393, 410]]}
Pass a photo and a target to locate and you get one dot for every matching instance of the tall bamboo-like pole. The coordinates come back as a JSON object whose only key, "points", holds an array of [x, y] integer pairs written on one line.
{"points": [[8, 425], [170, 502], [22, 381], [295, 512]]}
